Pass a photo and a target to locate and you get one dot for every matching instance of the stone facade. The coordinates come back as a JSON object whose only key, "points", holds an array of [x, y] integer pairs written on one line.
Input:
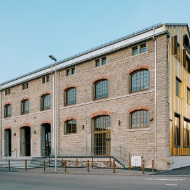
{"points": [[151, 142]]}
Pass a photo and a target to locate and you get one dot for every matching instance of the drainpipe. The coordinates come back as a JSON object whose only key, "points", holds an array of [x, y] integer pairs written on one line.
{"points": [[155, 99], [55, 116]]}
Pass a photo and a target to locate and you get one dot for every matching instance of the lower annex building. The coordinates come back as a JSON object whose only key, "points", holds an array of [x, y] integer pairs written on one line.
{"points": [[128, 97]]}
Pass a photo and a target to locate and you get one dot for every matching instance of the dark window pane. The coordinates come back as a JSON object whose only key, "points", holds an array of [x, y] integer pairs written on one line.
{"points": [[45, 101], [177, 130], [101, 89], [143, 48], [139, 118], [135, 50], [71, 96], [70, 126], [103, 61], [97, 63]]}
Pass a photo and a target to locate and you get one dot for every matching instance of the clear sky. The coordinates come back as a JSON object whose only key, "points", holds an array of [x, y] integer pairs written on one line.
{"points": [[31, 30]]}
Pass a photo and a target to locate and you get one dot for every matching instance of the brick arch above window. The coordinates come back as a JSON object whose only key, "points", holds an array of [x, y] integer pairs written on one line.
{"points": [[46, 121], [104, 112], [45, 93], [7, 103], [100, 78], [138, 108], [69, 118], [25, 98], [138, 68], [70, 86], [8, 127], [24, 125]]}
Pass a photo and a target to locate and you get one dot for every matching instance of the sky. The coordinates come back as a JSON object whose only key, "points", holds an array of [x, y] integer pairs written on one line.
{"points": [[31, 30]]}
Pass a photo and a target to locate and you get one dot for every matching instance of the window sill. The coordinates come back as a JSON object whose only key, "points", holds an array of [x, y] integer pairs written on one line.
{"points": [[139, 129], [68, 134], [69, 104], [139, 91], [96, 99]]}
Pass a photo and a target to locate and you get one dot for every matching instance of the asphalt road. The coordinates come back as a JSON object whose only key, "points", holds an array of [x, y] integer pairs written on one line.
{"points": [[53, 181]]}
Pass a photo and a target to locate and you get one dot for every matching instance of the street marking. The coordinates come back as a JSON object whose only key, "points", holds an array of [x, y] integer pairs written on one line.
{"points": [[166, 179], [171, 184]]}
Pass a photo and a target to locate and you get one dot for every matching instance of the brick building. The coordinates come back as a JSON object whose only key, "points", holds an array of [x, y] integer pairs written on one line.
{"points": [[129, 97]]}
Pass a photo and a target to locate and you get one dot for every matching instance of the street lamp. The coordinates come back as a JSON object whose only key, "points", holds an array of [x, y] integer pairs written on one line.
{"points": [[54, 111]]}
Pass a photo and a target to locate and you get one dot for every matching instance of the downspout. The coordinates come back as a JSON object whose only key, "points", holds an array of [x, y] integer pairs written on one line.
{"points": [[155, 99], [54, 117]]}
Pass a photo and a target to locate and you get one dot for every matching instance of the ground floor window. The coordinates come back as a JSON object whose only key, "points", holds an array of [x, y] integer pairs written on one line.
{"points": [[186, 130], [177, 130]]}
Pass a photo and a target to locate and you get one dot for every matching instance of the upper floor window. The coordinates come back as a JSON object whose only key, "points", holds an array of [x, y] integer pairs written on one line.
{"points": [[178, 87], [101, 61], [7, 110], [70, 71], [70, 126], [139, 118], [186, 132], [101, 89], [70, 96], [135, 50], [45, 79], [25, 107], [45, 102], [24, 86], [7, 91], [139, 80], [177, 130], [143, 48]]}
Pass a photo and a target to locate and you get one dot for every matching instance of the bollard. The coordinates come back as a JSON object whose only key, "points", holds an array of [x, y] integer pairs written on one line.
{"points": [[9, 165], [25, 165], [88, 166], [142, 166], [92, 162], [76, 163], [44, 166], [65, 165], [129, 164], [152, 165], [113, 166]]}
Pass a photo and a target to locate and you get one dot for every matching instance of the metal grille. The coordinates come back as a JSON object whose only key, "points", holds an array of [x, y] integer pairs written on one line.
{"points": [[102, 135]]}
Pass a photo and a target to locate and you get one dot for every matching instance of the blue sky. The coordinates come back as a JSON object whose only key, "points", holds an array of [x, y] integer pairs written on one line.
{"points": [[33, 29]]}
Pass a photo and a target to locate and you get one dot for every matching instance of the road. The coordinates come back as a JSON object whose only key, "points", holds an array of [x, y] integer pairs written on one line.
{"points": [[53, 181]]}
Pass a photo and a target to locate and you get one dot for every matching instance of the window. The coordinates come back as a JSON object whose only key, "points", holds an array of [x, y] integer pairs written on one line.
{"points": [[70, 96], [178, 88], [186, 129], [70, 126], [7, 91], [7, 110], [139, 118], [70, 71], [45, 79], [101, 61], [188, 95], [45, 102], [25, 107], [101, 89], [139, 80], [177, 130], [135, 50], [143, 48], [24, 86]]}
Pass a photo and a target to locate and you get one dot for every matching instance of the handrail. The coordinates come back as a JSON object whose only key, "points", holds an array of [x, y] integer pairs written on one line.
{"points": [[9, 153]]}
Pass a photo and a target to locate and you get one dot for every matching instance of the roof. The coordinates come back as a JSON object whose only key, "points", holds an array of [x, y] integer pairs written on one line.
{"points": [[87, 51]]}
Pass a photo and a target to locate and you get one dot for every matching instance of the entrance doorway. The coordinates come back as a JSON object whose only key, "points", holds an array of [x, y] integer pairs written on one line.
{"points": [[7, 144], [25, 144], [102, 135], [46, 140]]}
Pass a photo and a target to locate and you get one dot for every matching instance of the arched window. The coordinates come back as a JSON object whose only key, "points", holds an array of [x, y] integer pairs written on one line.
{"points": [[101, 89], [7, 110], [25, 107], [70, 96], [70, 126], [139, 118], [139, 80], [45, 102]]}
